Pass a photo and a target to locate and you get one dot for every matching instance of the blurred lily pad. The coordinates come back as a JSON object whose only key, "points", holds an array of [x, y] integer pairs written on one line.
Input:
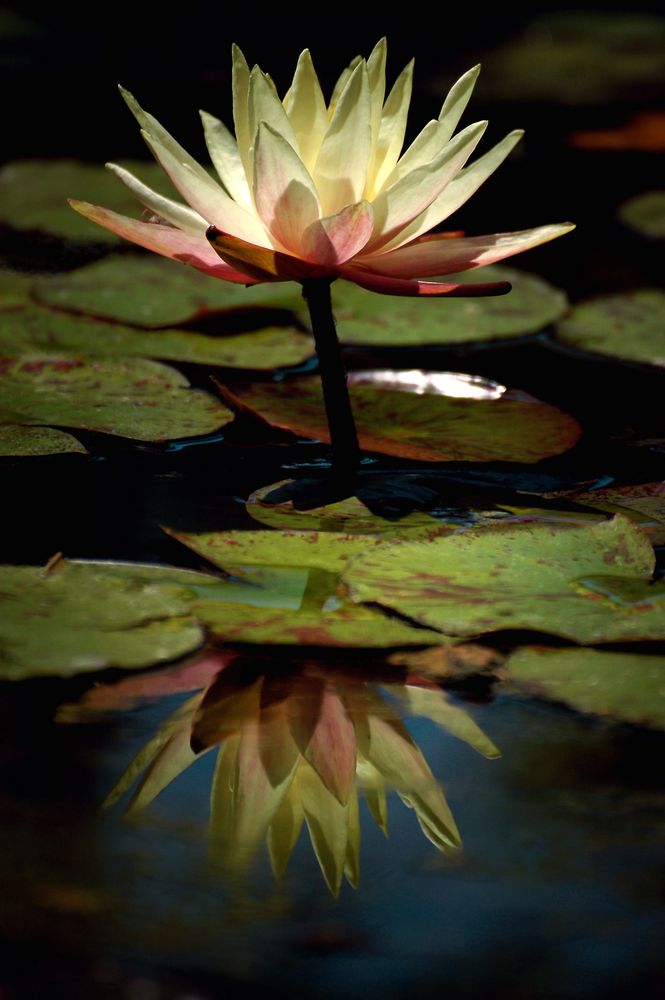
{"points": [[14, 290], [429, 427], [630, 326], [366, 318], [71, 618], [529, 576], [629, 687], [151, 291], [34, 193], [38, 328], [579, 57], [17, 440], [645, 214], [348, 516], [133, 398]]}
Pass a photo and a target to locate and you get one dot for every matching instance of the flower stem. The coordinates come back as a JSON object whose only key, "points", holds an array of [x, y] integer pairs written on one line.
{"points": [[343, 437]]}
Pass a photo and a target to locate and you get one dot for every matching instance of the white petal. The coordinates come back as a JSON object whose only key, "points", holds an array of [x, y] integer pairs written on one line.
{"points": [[391, 131], [150, 124], [376, 75], [284, 193], [397, 206], [306, 108], [209, 199], [226, 159], [458, 191], [457, 100], [341, 166], [240, 83], [342, 82], [180, 216]]}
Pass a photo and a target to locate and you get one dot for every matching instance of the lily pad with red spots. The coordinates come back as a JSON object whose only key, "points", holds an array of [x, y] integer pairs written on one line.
{"points": [[585, 583], [366, 318], [37, 328], [429, 427], [132, 398], [628, 687], [643, 503], [150, 291]]}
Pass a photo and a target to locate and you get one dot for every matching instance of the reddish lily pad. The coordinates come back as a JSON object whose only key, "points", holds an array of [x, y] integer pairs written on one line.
{"points": [[530, 576], [366, 318], [150, 291], [71, 618], [630, 326], [645, 214], [134, 398], [628, 687], [430, 427], [34, 193], [37, 328]]}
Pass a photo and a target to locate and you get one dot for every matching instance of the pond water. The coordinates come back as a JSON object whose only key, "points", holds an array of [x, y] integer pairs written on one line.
{"points": [[525, 847]]}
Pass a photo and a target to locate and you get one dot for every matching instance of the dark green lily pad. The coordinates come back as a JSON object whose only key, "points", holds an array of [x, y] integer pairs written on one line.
{"points": [[34, 193], [17, 440], [630, 326], [529, 576], [74, 618], [14, 290], [151, 291], [349, 516], [629, 687], [645, 214], [134, 398], [366, 318], [579, 57], [37, 328], [429, 427]]}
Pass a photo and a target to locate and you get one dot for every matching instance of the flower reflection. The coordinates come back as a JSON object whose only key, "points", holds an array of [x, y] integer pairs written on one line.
{"points": [[297, 746]]}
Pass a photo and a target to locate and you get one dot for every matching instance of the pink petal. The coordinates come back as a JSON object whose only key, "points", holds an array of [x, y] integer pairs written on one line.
{"points": [[325, 735], [164, 240], [439, 254], [339, 237], [402, 286]]}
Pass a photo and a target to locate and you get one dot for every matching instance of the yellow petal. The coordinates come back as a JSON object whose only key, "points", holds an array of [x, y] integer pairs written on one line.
{"points": [[306, 108], [285, 829], [457, 100], [226, 159], [352, 859], [177, 214], [376, 75], [327, 824], [240, 84], [284, 194], [391, 131], [341, 166]]}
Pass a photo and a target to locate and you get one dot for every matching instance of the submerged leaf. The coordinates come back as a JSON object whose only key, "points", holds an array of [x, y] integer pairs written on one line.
{"points": [[430, 427], [628, 687], [645, 213], [134, 398], [123, 288]]}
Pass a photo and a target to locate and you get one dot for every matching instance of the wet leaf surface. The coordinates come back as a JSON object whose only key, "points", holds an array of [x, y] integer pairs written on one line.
{"points": [[74, 618], [525, 577], [34, 193], [630, 325], [134, 398], [123, 288], [38, 328], [645, 213], [628, 687], [366, 318], [430, 427], [17, 440]]}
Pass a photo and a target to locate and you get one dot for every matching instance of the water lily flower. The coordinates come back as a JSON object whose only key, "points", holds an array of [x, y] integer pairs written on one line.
{"points": [[294, 748], [307, 189]]}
